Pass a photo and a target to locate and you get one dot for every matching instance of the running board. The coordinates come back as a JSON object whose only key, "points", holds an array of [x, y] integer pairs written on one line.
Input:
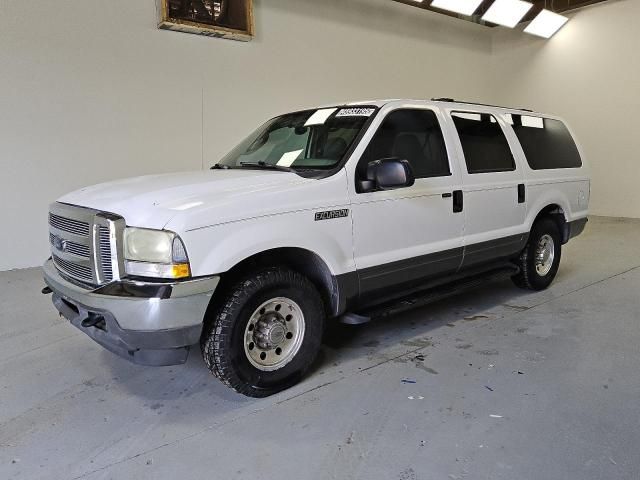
{"points": [[351, 318], [429, 296]]}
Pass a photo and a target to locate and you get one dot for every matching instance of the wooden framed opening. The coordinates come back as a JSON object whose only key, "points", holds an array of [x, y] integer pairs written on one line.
{"points": [[231, 19]]}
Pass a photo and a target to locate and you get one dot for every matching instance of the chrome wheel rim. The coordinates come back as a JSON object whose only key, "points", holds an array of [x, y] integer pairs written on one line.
{"points": [[545, 254], [274, 334]]}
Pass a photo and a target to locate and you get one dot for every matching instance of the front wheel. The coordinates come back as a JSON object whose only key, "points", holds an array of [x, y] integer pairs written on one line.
{"points": [[540, 259], [265, 333]]}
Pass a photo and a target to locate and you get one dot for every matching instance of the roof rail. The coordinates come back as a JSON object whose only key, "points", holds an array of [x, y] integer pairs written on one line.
{"points": [[451, 100]]}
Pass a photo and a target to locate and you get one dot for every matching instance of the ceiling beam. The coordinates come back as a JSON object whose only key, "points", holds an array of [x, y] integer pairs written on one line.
{"points": [[559, 6], [566, 5]]}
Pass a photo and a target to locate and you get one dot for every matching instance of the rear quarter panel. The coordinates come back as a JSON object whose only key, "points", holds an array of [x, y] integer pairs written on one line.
{"points": [[569, 188]]}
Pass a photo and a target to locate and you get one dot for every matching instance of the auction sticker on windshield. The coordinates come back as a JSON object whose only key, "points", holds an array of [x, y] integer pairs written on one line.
{"points": [[355, 112], [288, 158], [319, 117]]}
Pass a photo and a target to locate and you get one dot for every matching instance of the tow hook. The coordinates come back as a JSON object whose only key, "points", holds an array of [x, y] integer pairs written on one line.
{"points": [[46, 291], [94, 320]]}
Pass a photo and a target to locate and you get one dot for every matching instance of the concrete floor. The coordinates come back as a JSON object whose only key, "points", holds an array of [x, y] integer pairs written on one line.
{"points": [[508, 384]]}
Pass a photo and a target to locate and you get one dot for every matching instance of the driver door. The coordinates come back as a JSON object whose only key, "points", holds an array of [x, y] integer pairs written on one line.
{"points": [[407, 236]]}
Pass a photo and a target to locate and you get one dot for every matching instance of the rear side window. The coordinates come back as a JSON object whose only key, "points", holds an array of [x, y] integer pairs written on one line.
{"points": [[547, 143], [483, 142], [413, 135]]}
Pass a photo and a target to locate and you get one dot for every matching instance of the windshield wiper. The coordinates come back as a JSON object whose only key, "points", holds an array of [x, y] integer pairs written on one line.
{"points": [[217, 166], [271, 166]]}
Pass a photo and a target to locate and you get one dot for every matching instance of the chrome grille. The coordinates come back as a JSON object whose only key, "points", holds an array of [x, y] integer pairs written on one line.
{"points": [[85, 243], [69, 225], [70, 247], [104, 242], [82, 272]]}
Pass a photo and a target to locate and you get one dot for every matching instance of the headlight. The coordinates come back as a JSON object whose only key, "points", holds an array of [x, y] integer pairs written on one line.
{"points": [[155, 253]]}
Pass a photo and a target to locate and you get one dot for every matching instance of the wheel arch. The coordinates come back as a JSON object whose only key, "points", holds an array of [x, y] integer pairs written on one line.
{"points": [[556, 213], [335, 290]]}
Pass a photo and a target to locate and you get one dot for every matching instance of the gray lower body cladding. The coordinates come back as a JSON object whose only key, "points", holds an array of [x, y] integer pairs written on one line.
{"points": [[157, 348], [145, 322]]}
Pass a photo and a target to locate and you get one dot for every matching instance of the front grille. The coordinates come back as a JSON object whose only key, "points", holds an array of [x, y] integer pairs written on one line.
{"points": [[71, 247], [69, 225], [104, 242], [81, 272], [85, 243]]}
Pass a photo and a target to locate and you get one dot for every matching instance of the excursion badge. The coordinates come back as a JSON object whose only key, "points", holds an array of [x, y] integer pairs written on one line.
{"points": [[331, 214]]}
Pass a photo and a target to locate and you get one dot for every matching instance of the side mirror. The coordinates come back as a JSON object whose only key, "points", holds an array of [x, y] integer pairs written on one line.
{"points": [[387, 174]]}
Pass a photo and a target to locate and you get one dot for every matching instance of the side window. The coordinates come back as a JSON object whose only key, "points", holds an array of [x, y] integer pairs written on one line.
{"points": [[483, 142], [412, 135], [546, 143]]}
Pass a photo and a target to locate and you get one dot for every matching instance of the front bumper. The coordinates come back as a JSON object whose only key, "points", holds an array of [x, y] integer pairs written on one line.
{"points": [[144, 322]]}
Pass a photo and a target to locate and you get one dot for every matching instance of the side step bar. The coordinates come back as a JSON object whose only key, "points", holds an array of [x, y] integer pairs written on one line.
{"points": [[429, 296]]}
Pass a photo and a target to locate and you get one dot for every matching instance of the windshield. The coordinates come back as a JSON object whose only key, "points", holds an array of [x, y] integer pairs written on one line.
{"points": [[313, 139]]}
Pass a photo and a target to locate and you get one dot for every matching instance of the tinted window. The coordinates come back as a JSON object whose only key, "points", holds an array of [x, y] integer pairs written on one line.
{"points": [[546, 143], [484, 145], [412, 135]]}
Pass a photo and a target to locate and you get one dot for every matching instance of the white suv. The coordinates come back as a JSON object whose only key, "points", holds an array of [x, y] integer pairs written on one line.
{"points": [[342, 212]]}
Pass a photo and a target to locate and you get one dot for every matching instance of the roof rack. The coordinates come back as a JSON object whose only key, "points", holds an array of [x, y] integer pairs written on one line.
{"points": [[451, 100]]}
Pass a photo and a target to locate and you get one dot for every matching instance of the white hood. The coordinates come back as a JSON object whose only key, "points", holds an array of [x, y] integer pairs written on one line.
{"points": [[153, 200], [188, 200]]}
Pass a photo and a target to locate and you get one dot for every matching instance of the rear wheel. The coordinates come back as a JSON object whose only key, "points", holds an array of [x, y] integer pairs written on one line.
{"points": [[266, 332], [540, 259]]}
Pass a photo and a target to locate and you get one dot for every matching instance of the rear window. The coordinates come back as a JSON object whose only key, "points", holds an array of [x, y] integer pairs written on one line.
{"points": [[483, 142], [547, 143]]}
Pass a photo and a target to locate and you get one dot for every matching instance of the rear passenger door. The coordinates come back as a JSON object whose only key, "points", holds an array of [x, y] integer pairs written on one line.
{"points": [[494, 202], [403, 237]]}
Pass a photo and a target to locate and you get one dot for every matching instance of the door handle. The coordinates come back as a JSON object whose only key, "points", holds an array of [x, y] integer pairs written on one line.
{"points": [[458, 201], [522, 194], [447, 195]]}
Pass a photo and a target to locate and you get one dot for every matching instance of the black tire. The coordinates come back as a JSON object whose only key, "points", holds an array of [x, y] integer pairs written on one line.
{"points": [[529, 277], [223, 341]]}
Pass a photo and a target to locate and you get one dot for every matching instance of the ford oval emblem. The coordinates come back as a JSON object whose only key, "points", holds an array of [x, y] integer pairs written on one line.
{"points": [[60, 244]]}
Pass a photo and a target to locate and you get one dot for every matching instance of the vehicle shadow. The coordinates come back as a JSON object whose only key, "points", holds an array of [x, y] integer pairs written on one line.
{"points": [[192, 382], [347, 342]]}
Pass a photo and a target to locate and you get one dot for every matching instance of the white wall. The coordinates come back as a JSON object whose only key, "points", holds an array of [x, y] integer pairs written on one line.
{"points": [[588, 73], [91, 90]]}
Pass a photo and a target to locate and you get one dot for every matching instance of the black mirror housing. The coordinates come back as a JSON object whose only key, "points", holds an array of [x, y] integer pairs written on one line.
{"points": [[389, 174]]}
